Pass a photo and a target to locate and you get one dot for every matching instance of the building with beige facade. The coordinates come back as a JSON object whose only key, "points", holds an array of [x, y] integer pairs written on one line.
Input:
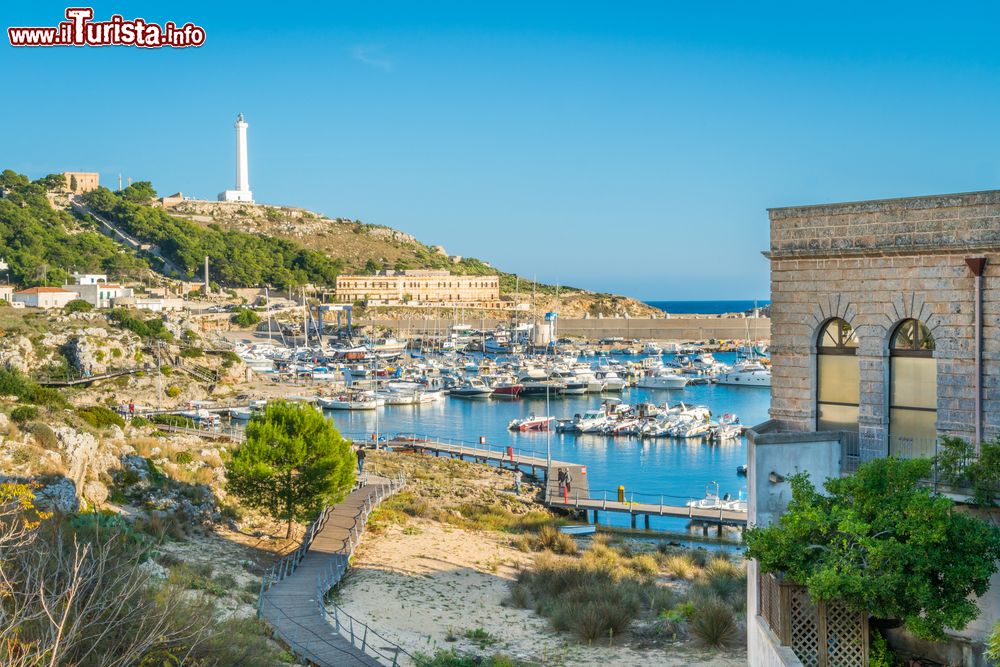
{"points": [[79, 182], [420, 287], [885, 335]]}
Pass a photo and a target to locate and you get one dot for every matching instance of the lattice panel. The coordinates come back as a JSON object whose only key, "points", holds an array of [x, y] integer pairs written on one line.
{"points": [[770, 601], [846, 635], [805, 628]]}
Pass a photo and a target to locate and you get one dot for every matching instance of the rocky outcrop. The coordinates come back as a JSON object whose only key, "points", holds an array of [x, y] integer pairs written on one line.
{"points": [[17, 353], [98, 350], [59, 496]]}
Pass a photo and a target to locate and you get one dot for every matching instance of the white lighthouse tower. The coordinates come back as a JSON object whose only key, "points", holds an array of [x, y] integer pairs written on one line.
{"points": [[242, 191]]}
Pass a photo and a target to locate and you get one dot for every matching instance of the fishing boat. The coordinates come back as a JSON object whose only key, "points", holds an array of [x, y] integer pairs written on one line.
{"points": [[531, 423]]}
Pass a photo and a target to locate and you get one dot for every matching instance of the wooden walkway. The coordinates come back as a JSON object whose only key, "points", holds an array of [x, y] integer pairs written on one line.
{"points": [[578, 497], [294, 605], [86, 379]]}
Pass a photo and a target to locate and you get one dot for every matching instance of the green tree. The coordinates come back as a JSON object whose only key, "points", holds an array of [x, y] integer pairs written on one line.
{"points": [[961, 466], [293, 463], [52, 182], [246, 318], [140, 192], [884, 544]]}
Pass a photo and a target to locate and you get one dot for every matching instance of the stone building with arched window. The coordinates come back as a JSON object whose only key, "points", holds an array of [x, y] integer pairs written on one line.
{"points": [[885, 335]]}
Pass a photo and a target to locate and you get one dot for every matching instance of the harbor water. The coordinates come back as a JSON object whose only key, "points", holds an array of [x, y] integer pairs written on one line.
{"points": [[677, 469]]}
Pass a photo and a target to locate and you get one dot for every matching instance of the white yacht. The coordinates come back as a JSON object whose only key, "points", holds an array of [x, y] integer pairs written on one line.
{"points": [[750, 374], [612, 382], [652, 348], [662, 379]]}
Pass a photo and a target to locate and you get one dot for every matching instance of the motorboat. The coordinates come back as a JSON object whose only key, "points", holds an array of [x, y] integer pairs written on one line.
{"points": [[532, 385], [662, 379], [652, 348], [711, 501], [531, 423], [358, 401], [612, 381], [690, 428], [472, 388], [746, 375], [509, 388]]}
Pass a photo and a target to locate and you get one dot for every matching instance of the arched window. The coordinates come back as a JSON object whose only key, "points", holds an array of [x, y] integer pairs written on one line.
{"points": [[837, 378], [912, 382]]}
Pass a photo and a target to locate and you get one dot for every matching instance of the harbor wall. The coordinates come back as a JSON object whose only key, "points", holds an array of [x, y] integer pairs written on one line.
{"points": [[677, 328]]}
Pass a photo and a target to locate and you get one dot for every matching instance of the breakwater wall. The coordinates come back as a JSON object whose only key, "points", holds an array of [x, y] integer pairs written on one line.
{"points": [[677, 328]]}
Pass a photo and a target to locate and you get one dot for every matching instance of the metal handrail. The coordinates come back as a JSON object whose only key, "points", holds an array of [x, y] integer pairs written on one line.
{"points": [[325, 582], [343, 622]]}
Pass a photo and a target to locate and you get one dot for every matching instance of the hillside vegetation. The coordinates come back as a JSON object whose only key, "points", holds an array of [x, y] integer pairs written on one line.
{"points": [[248, 245], [238, 258], [43, 245]]}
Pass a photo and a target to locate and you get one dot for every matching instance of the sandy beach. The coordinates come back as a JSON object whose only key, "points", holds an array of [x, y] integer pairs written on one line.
{"points": [[425, 584]]}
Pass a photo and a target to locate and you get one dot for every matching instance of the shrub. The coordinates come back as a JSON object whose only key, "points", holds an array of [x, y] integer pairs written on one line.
{"points": [[480, 637], [713, 624], [882, 514], [682, 566], [880, 655], [23, 413], [450, 658], [246, 318], [960, 466], [15, 383], [192, 352], [183, 458], [550, 539], [993, 644], [99, 416], [139, 422], [43, 434], [594, 597], [173, 391], [78, 306]]}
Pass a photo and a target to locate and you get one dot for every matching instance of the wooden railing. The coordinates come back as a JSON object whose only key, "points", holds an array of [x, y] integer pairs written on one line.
{"points": [[821, 634]]}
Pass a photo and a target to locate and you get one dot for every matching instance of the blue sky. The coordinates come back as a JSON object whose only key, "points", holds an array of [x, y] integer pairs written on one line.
{"points": [[627, 147]]}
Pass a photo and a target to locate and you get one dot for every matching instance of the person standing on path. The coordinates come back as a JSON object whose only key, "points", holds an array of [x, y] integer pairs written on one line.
{"points": [[561, 478], [361, 460], [569, 482], [517, 481]]}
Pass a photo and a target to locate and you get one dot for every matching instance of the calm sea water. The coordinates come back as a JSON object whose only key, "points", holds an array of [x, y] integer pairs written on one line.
{"points": [[707, 307], [677, 469]]}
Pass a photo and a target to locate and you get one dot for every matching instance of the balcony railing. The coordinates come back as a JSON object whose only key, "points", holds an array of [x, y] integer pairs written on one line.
{"points": [[857, 448]]}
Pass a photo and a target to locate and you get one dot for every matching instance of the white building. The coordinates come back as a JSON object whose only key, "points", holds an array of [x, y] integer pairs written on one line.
{"points": [[242, 191], [89, 278], [45, 297], [100, 295], [6, 293]]}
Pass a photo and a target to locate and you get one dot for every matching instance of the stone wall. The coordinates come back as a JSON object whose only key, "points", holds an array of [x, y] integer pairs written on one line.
{"points": [[875, 264], [677, 328]]}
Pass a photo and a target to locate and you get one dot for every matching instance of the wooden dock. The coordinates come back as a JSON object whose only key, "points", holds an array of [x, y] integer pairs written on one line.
{"points": [[578, 497]]}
